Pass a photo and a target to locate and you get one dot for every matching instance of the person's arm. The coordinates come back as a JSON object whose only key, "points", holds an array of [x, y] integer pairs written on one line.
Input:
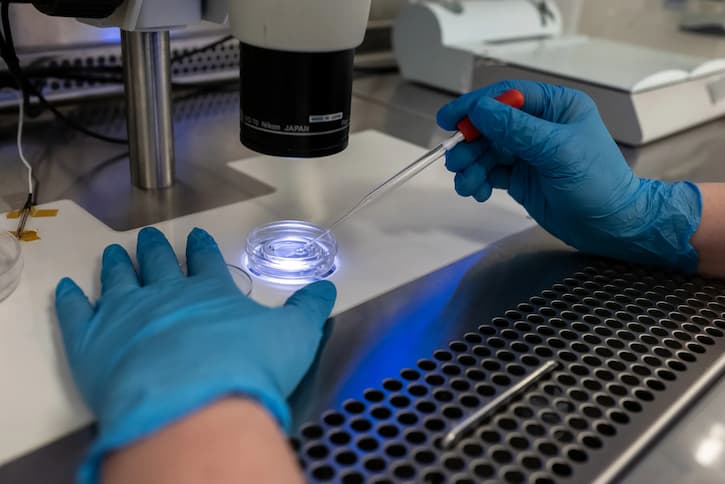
{"points": [[228, 442], [709, 239], [186, 375]]}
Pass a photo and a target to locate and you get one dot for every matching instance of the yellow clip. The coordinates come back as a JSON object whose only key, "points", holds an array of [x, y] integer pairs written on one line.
{"points": [[36, 212], [27, 235], [44, 212]]}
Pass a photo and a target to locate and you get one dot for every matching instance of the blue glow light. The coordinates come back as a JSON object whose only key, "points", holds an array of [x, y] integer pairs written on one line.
{"points": [[281, 252]]}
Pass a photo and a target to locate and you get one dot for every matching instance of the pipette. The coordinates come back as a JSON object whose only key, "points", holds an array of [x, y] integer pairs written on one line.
{"points": [[466, 132]]}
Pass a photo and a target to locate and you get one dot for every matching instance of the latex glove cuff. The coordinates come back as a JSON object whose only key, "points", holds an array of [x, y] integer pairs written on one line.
{"points": [[659, 226]]}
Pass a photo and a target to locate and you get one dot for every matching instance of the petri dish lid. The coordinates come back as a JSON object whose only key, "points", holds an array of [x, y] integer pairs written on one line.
{"points": [[11, 264], [241, 278], [291, 252]]}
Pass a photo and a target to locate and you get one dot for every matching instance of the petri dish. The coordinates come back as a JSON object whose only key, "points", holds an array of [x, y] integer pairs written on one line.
{"points": [[291, 252], [11, 264], [241, 277]]}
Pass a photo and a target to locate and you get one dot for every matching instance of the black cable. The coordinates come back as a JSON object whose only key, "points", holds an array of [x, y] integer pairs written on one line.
{"points": [[204, 48], [27, 88]]}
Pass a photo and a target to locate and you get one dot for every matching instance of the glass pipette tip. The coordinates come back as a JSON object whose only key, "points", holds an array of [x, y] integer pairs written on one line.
{"points": [[466, 132]]}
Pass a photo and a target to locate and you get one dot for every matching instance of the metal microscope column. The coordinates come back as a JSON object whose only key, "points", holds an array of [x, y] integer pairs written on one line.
{"points": [[147, 78]]}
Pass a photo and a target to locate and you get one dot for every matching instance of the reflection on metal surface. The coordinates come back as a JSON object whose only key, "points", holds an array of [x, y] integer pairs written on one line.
{"points": [[459, 430], [147, 79], [710, 449]]}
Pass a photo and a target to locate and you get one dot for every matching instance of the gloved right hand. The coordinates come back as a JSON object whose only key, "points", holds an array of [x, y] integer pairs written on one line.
{"points": [[556, 158]]}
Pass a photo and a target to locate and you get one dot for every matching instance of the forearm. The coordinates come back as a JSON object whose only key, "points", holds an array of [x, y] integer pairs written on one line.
{"points": [[709, 239], [230, 441]]}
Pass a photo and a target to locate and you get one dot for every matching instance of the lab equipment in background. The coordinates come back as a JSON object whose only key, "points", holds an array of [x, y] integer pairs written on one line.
{"points": [[314, 40], [704, 16], [11, 264], [73, 61], [643, 94], [291, 252]]}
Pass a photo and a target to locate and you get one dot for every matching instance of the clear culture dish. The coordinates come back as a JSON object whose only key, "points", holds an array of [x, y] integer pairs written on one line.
{"points": [[291, 252]]}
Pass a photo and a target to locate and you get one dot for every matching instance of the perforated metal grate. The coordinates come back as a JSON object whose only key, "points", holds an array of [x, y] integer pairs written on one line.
{"points": [[630, 341]]}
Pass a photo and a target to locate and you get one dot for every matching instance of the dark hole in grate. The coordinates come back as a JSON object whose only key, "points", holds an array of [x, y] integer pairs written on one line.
{"points": [[317, 451], [352, 478], [472, 449], [333, 418], [514, 476], [375, 464], [420, 390], [339, 438], [453, 463], [501, 455], [483, 470], [577, 455], [323, 473], [415, 437], [426, 365], [395, 450], [450, 369], [548, 448], [380, 412], [346, 458], [353, 406], [490, 436]]}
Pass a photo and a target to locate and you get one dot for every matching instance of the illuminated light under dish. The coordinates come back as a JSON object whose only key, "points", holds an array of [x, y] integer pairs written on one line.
{"points": [[281, 252]]}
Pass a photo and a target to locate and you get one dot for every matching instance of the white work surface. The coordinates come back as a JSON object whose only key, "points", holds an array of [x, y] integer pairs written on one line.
{"points": [[419, 228]]}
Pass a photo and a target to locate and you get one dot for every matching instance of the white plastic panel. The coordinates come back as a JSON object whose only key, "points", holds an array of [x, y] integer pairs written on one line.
{"points": [[602, 62]]}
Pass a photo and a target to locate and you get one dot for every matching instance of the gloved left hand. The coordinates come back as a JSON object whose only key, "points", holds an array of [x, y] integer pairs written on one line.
{"points": [[159, 345]]}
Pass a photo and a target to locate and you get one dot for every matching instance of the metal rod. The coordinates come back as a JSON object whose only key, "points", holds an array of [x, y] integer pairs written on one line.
{"points": [[459, 430], [147, 79], [24, 214]]}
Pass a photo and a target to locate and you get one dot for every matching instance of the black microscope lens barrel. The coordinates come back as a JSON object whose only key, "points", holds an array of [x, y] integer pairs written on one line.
{"points": [[295, 104]]}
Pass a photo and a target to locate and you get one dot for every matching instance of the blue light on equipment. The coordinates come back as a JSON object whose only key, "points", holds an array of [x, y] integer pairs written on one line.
{"points": [[291, 252]]}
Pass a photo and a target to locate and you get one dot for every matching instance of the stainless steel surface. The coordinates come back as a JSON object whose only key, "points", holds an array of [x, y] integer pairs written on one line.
{"points": [[363, 346], [147, 81], [475, 419], [664, 420]]}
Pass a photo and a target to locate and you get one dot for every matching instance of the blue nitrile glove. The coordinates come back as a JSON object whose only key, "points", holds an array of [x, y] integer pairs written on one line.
{"points": [[556, 158], [160, 345]]}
